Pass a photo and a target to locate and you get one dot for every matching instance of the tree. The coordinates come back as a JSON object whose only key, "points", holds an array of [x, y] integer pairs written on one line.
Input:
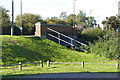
{"points": [[55, 20], [81, 17], [63, 16], [52, 20], [5, 21], [92, 21], [112, 23], [28, 21], [70, 19]]}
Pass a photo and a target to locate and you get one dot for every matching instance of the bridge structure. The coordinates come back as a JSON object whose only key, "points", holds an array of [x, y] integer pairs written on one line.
{"points": [[61, 34]]}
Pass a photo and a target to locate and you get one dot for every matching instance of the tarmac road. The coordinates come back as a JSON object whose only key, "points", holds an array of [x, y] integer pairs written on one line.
{"points": [[73, 75]]}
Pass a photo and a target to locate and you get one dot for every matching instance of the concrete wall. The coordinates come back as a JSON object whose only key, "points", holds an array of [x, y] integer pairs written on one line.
{"points": [[41, 29]]}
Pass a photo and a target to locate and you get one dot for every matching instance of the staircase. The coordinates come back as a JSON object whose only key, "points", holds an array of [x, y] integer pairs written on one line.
{"points": [[64, 40]]}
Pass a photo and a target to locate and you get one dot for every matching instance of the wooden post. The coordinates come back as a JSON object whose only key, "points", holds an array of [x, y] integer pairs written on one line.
{"points": [[20, 65], [41, 64], [117, 65], [82, 64], [48, 63]]}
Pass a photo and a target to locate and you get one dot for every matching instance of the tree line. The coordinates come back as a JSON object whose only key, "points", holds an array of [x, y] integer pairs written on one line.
{"points": [[29, 20], [102, 42]]}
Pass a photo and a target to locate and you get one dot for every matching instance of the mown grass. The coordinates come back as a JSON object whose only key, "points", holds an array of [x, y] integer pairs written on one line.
{"points": [[17, 49], [26, 49], [56, 68]]}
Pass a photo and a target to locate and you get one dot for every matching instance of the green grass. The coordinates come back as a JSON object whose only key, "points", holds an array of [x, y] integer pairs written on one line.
{"points": [[17, 49], [56, 68], [26, 49]]}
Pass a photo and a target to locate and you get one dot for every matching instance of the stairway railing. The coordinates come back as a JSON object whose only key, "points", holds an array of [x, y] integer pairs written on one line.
{"points": [[71, 39]]}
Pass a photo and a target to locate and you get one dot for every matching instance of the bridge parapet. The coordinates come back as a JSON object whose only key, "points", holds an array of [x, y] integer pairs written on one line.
{"points": [[67, 30]]}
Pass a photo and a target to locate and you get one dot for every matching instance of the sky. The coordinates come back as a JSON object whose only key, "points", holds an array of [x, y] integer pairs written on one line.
{"points": [[100, 9]]}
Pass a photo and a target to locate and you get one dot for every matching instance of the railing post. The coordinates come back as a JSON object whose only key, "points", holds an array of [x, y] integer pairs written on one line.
{"points": [[71, 44], [46, 31], [48, 63], [117, 65], [20, 65], [41, 64], [82, 64], [59, 37]]}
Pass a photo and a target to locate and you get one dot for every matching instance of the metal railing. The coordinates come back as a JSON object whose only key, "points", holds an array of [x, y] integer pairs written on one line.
{"points": [[72, 41]]}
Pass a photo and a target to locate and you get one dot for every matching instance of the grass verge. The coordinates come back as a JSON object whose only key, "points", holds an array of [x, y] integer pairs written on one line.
{"points": [[56, 68], [17, 49]]}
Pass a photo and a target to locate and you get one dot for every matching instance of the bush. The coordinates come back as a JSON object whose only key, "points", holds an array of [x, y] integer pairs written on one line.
{"points": [[91, 34], [106, 46]]}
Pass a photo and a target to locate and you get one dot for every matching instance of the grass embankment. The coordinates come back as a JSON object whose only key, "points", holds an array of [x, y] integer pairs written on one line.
{"points": [[28, 49]]}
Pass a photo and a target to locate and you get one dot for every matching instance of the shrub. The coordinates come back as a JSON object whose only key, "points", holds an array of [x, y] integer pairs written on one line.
{"points": [[106, 46], [91, 34]]}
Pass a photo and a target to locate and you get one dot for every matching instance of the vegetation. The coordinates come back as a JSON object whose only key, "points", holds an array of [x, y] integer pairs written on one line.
{"points": [[5, 21], [112, 23], [65, 19], [11, 72], [25, 49], [29, 20], [102, 42], [103, 46], [63, 16], [28, 23], [55, 20], [108, 46], [90, 35]]}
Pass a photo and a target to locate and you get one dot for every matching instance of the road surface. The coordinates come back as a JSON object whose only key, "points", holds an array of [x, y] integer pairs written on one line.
{"points": [[73, 75]]}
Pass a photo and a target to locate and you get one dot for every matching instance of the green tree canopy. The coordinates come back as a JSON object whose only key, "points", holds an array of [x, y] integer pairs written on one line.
{"points": [[55, 20], [81, 17], [70, 19], [28, 21], [5, 21], [63, 15], [112, 23]]}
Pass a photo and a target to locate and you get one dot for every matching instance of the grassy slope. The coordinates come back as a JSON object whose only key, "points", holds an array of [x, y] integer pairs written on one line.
{"points": [[18, 48]]}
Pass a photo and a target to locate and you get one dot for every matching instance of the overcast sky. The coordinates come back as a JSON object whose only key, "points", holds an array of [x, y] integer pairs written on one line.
{"points": [[49, 8]]}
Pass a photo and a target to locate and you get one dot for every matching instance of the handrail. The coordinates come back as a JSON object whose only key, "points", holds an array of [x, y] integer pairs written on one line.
{"points": [[61, 39], [81, 43], [66, 36], [64, 41], [70, 43], [60, 33]]}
